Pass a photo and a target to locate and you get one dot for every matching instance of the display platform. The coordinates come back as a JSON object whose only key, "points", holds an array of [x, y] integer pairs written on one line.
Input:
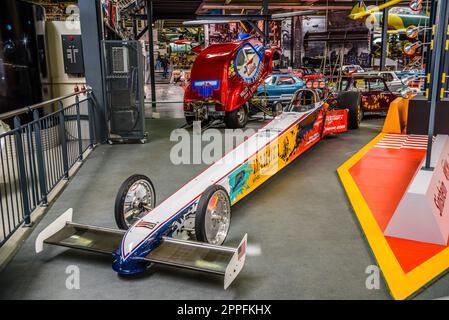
{"points": [[375, 179]]}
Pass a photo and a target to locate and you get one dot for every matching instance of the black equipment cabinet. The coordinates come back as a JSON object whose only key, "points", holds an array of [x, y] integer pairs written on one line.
{"points": [[419, 115], [124, 76]]}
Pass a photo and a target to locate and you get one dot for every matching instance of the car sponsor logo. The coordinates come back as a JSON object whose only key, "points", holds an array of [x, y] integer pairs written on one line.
{"points": [[205, 88], [248, 63], [146, 224], [245, 93]]}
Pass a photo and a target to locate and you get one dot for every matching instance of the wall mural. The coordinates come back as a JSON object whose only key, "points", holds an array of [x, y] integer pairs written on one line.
{"points": [[355, 52], [312, 24], [337, 24]]}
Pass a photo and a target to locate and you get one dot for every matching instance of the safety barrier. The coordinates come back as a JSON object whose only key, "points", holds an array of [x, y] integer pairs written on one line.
{"points": [[35, 156]]}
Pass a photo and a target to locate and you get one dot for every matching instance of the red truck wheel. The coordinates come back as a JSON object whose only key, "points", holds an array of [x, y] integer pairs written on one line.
{"points": [[237, 118]]}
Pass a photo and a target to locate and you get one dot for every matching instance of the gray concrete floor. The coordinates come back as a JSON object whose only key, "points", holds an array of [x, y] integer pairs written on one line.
{"points": [[309, 241], [165, 92]]}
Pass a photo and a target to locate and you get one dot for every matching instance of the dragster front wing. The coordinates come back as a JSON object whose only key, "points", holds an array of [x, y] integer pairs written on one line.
{"points": [[220, 260]]}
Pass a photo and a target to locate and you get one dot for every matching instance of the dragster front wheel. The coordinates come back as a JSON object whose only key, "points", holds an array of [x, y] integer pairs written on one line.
{"points": [[213, 216], [135, 198]]}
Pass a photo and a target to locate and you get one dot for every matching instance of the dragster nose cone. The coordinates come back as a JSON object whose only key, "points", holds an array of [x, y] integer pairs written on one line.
{"points": [[133, 239]]}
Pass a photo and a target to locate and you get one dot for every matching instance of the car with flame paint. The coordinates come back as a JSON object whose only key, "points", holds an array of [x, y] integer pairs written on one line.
{"points": [[375, 95], [224, 77], [188, 229]]}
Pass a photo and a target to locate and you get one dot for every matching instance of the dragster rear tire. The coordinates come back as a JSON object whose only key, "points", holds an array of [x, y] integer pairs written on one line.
{"points": [[202, 214], [237, 118], [124, 192], [352, 101]]}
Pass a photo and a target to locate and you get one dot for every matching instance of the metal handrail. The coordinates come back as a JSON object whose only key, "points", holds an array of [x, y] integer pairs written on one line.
{"points": [[37, 155], [11, 114]]}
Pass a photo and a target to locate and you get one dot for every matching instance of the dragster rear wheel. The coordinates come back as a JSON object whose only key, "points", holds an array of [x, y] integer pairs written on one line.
{"points": [[352, 101], [135, 198], [213, 216]]}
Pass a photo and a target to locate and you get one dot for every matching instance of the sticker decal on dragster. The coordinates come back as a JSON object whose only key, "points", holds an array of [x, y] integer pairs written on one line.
{"points": [[335, 122], [275, 156]]}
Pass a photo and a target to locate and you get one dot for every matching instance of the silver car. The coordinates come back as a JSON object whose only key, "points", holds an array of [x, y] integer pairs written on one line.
{"points": [[394, 83]]}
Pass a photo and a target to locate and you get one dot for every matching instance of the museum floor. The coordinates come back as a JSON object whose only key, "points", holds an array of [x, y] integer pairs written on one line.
{"points": [[304, 240]]}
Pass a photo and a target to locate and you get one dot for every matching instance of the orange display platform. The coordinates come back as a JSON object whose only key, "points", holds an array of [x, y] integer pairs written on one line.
{"points": [[375, 180]]}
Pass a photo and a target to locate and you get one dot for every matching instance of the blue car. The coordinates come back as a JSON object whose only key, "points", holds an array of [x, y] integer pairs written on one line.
{"points": [[280, 87]]}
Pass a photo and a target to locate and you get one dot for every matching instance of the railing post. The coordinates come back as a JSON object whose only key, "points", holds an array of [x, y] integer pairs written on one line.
{"points": [[78, 122], [22, 173], [65, 157], [40, 158], [90, 112]]}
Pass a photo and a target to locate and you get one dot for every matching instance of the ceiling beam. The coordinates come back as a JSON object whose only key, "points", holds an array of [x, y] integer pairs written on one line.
{"points": [[207, 6]]}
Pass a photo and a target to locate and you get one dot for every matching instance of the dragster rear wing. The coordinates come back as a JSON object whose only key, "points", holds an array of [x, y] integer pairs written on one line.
{"points": [[224, 261]]}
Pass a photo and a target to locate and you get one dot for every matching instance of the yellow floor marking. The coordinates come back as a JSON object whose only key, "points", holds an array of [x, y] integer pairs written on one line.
{"points": [[402, 285]]}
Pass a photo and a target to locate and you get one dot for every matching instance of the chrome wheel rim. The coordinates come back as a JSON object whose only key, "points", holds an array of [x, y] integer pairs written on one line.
{"points": [[217, 218], [241, 115], [139, 199]]}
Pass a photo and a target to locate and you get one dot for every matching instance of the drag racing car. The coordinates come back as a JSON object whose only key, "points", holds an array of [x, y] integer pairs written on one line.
{"points": [[188, 229], [224, 77]]}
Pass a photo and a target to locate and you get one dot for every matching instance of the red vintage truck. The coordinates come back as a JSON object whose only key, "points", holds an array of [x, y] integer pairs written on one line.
{"points": [[224, 78]]}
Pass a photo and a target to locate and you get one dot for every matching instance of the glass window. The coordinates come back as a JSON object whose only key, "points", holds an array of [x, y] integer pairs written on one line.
{"points": [[286, 81], [270, 80], [387, 77], [376, 85], [361, 85], [344, 85]]}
